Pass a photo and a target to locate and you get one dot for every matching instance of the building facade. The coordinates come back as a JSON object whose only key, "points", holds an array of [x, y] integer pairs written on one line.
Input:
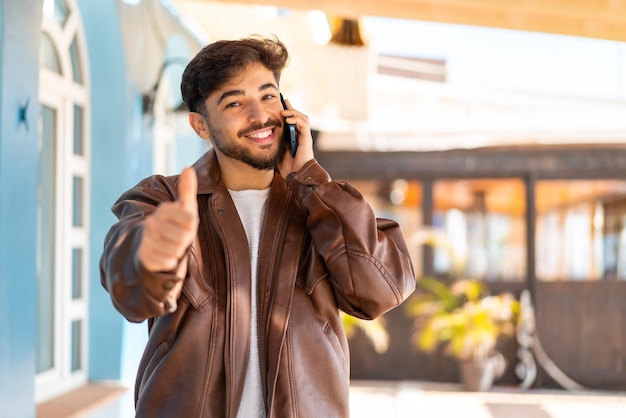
{"points": [[89, 106], [85, 85]]}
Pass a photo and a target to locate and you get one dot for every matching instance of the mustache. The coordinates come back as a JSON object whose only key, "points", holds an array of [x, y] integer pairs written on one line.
{"points": [[271, 123]]}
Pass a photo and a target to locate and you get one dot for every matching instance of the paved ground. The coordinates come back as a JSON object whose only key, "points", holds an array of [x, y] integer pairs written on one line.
{"points": [[431, 400]]}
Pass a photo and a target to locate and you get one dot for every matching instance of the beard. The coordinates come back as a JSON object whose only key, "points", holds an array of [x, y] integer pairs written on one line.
{"points": [[237, 151]]}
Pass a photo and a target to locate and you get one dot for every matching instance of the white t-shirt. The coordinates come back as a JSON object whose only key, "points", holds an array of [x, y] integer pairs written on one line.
{"points": [[251, 207]]}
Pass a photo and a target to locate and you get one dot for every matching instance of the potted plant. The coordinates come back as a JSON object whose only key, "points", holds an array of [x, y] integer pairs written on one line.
{"points": [[374, 330], [468, 322]]}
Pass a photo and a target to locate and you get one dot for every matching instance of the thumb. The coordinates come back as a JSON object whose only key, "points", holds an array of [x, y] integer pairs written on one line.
{"points": [[188, 189]]}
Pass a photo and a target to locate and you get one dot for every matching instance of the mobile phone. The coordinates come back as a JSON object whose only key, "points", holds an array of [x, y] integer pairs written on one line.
{"points": [[289, 133]]}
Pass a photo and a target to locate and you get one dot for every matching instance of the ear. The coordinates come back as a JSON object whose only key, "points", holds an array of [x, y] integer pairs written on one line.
{"points": [[198, 124]]}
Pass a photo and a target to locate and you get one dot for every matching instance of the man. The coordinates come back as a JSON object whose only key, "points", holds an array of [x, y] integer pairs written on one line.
{"points": [[241, 263]]}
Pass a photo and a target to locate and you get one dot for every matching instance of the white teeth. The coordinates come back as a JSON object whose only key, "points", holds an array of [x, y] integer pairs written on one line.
{"points": [[261, 135]]}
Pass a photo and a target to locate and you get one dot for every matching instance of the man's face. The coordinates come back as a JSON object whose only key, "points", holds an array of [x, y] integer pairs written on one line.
{"points": [[244, 120]]}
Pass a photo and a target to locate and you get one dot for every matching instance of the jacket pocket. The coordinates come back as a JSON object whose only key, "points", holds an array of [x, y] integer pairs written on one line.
{"points": [[153, 360], [195, 288]]}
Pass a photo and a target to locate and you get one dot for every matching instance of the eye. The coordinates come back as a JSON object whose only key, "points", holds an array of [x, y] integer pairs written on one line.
{"points": [[233, 104], [269, 96]]}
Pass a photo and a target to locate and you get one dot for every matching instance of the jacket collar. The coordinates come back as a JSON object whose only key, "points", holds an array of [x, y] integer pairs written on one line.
{"points": [[208, 172]]}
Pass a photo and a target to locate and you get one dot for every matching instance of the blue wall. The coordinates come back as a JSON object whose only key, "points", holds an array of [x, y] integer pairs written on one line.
{"points": [[188, 146], [121, 156], [20, 24]]}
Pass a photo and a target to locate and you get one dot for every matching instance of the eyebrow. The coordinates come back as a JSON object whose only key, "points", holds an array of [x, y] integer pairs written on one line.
{"points": [[231, 93]]}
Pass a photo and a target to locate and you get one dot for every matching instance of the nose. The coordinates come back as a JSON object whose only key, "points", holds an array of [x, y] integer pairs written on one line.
{"points": [[257, 112]]}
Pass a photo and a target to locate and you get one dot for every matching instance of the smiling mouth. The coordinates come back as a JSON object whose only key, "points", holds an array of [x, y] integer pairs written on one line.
{"points": [[264, 135]]}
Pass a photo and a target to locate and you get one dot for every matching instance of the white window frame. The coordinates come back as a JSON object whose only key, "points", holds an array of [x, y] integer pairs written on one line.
{"points": [[61, 93]]}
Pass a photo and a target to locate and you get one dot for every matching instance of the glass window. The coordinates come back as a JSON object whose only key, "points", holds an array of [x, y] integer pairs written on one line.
{"points": [[57, 9], [76, 70], [63, 206], [76, 356], [479, 229], [46, 239], [78, 130], [77, 273], [48, 56], [77, 199], [581, 229]]}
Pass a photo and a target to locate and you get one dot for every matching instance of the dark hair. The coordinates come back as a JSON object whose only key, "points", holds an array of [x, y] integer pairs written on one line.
{"points": [[218, 62]]}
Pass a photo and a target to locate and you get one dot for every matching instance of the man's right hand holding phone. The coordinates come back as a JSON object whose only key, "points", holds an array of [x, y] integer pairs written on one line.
{"points": [[304, 154]]}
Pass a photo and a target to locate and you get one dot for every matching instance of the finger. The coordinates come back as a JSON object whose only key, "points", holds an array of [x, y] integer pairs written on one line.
{"points": [[175, 214], [156, 262], [171, 239], [188, 189], [171, 228], [153, 259]]}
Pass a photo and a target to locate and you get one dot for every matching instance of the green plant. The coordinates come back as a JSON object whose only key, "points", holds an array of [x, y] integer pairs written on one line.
{"points": [[462, 316], [374, 331]]}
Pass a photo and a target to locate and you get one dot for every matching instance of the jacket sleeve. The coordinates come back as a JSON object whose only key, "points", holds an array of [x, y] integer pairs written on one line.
{"points": [[367, 258], [137, 293]]}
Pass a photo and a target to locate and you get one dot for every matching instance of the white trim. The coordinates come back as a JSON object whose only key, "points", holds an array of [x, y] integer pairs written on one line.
{"points": [[164, 140], [60, 92]]}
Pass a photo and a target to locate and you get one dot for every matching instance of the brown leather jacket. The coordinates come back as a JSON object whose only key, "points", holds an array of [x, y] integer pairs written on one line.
{"points": [[321, 249]]}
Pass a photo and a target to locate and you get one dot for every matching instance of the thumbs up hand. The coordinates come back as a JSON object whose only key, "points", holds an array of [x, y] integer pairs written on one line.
{"points": [[170, 230], [188, 190]]}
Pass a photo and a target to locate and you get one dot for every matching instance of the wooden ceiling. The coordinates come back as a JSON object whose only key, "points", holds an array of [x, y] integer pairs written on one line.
{"points": [[603, 19]]}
